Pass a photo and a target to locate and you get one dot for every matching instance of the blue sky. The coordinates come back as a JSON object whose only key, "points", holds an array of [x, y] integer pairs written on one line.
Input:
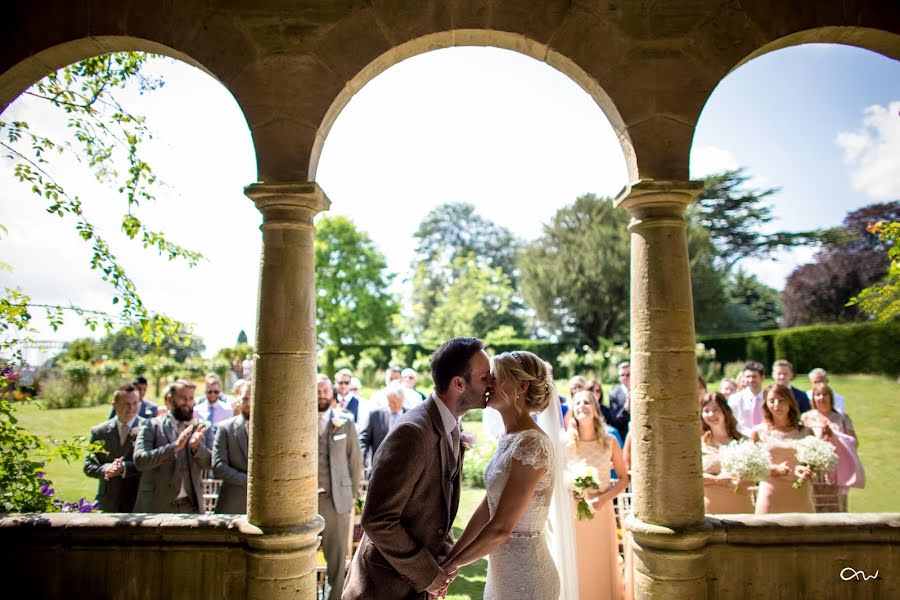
{"points": [[500, 130]]}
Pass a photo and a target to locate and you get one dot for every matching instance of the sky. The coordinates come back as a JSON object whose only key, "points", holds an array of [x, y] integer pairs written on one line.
{"points": [[497, 129]]}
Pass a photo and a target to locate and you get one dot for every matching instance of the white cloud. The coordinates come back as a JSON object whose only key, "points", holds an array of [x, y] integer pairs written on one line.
{"points": [[872, 152], [709, 160]]}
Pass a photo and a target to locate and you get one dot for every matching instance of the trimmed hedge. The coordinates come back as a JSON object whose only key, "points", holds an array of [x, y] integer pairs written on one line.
{"points": [[740, 347], [846, 348], [854, 348]]}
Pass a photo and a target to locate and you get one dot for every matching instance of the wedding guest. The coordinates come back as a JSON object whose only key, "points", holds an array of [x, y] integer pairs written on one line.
{"points": [[599, 576], [230, 457], [172, 452], [114, 465], [830, 489], [779, 432], [620, 401], [820, 375], [783, 374], [728, 387], [146, 409], [215, 408], [339, 474], [719, 430], [747, 404]]}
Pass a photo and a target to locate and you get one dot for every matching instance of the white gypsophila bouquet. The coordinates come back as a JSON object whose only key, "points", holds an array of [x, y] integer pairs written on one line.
{"points": [[745, 460], [582, 477], [817, 454]]}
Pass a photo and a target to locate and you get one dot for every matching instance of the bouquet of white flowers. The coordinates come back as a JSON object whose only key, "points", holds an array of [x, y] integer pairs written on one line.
{"points": [[817, 454], [582, 477], [745, 460]]}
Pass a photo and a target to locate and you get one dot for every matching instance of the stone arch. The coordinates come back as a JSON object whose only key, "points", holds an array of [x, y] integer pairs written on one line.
{"points": [[22, 75], [475, 37], [879, 41]]}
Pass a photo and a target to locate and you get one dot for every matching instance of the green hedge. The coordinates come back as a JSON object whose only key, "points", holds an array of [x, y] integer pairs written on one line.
{"points": [[855, 348], [847, 348], [739, 347]]}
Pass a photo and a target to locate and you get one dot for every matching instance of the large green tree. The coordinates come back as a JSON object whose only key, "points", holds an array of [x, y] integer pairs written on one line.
{"points": [[576, 274], [353, 302], [477, 303], [735, 215], [456, 231]]}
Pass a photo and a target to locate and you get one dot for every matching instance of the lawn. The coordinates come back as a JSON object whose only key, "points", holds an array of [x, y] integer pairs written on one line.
{"points": [[872, 402]]}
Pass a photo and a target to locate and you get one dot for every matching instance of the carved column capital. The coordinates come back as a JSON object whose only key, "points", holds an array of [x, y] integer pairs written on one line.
{"points": [[658, 200], [288, 204]]}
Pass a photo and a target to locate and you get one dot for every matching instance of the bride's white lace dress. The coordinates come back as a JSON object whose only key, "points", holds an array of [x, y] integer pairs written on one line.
{"points": [[522, 568]]}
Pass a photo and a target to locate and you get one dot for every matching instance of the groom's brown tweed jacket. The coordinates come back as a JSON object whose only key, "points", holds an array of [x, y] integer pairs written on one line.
{"points": [[412, 500]]}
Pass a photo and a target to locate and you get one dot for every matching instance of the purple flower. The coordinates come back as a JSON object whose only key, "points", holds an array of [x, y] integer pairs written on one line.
{"points": [[86, 508], [39, 474], [46, 489]]}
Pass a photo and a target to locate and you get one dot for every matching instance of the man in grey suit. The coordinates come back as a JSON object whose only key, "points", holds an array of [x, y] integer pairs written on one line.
{"points": [[114, 465], [171, 452], [229, 458], [414, 490], [340, 469], [381, 422]]}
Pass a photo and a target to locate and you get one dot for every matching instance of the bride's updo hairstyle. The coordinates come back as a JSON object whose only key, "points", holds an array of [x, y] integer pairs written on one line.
{"points": [[522, 366]]}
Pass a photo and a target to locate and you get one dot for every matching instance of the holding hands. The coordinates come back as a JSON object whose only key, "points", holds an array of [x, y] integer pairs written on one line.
{"points": [[114, 469], [446, 574]]}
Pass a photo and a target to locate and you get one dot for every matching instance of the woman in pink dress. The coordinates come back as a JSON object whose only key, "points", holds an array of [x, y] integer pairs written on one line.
{"points": [[599, 575], [779, 431], [720, 429], [829, 494]]}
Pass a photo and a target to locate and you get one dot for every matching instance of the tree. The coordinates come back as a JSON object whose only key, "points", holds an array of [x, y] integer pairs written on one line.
{"points": [[735, 216], [477, 303], [762, 303], [882, 299], [353, 304], [455, 231], [821, 291], [104, 136], [242, 337], [576, 275]]}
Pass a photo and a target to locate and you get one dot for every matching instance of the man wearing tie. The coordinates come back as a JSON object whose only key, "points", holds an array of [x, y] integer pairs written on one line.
{"points": [[340, 470], [172, 452], [229, 457], [746, 405], [114, 465]]}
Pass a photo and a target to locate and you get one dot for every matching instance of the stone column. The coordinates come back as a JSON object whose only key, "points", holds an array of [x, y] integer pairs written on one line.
{"points": [[667, 523], [282, 482]]}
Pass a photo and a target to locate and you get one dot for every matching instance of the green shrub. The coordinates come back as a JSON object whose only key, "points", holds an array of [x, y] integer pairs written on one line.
{"points": [[854, 348], [476, 463], [473, 415]]}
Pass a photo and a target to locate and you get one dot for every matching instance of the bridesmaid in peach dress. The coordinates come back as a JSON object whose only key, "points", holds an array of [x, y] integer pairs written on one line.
{"points": [[720, 429], [779, 431], [599, 575]]}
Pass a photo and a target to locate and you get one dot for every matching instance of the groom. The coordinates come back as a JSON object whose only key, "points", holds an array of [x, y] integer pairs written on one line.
{"points": [[414, 488]]}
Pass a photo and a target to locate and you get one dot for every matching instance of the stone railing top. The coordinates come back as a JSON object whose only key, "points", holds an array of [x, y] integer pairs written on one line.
{"points": [[126, 527], [804, 528]]}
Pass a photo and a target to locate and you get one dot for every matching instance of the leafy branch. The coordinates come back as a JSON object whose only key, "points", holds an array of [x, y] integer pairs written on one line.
{"points": [[105, 134]]}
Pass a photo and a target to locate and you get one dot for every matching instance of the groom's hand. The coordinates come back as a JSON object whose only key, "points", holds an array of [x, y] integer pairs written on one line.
{"points": [[441, 581]]}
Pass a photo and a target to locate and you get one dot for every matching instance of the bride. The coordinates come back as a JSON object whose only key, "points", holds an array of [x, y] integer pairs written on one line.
{"points": [[524, 482]]}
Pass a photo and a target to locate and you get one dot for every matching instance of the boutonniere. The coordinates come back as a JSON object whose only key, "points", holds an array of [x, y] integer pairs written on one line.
{"points": [[467, 439], [133, 432], [338, 421]]}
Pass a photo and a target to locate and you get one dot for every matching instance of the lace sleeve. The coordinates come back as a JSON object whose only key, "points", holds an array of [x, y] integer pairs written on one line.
{"points": [[533, 449]]}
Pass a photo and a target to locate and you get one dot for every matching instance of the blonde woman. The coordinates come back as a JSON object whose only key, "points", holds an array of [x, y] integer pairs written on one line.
{"points": [[779, 431], [522, 481], [599, 576]]}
